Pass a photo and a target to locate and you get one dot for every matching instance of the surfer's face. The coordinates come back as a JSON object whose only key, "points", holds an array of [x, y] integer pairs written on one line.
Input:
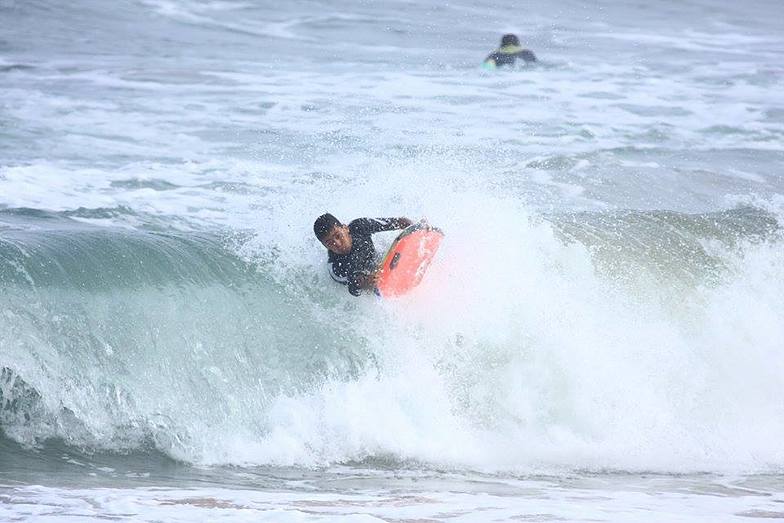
{"points": [[338, 240]]}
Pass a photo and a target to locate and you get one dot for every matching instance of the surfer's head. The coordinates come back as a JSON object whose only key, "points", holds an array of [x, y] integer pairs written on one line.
{"points": [[509, 39], [332, 234]]}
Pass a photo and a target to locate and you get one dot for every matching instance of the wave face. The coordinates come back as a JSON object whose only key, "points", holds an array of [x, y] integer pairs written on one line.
{"points": [[117, 339], [634, 340]]}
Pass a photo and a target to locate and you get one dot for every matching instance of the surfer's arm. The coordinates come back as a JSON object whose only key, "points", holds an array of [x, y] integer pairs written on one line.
{"points": [[527, 55], [361, 282], [490, 61], [374, 225], [341, 273], [337, 274], [354, 289]]}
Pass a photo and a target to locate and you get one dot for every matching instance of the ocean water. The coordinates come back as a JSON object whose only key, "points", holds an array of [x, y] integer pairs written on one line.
{"points": [[601, 337]]}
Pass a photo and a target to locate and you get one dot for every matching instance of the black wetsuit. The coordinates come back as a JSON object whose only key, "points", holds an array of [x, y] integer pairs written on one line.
{"points": [[508, 55], [361, 260]]}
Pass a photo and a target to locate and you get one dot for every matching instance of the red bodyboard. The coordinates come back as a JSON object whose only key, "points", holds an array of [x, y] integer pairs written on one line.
{"points": [[407, 260]]}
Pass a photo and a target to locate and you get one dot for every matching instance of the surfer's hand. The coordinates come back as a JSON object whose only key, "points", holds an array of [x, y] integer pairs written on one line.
{"points": [[368, 281]]}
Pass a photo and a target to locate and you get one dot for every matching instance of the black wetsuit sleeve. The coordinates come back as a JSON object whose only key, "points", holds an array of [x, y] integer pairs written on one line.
{"points": [[527, 55], [340, 272], [337, 270], [374, 225], [353, 285]]}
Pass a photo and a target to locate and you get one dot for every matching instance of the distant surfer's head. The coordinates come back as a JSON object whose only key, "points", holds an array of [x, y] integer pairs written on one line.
{"points": [[332, 234], [510, 39]]}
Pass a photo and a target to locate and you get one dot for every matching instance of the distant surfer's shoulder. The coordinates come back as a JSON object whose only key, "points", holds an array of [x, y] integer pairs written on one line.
{"points": [[527, 55]]}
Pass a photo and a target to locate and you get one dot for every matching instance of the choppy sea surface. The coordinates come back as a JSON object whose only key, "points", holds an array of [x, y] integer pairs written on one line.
{"points": [[601, 337]]}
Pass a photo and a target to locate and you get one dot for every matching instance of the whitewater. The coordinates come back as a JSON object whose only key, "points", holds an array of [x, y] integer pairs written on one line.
{"points": [[600, 338]]}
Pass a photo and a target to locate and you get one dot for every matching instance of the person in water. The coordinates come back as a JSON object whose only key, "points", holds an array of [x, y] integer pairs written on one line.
{"points": [[352, 255], [508, 54]]}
